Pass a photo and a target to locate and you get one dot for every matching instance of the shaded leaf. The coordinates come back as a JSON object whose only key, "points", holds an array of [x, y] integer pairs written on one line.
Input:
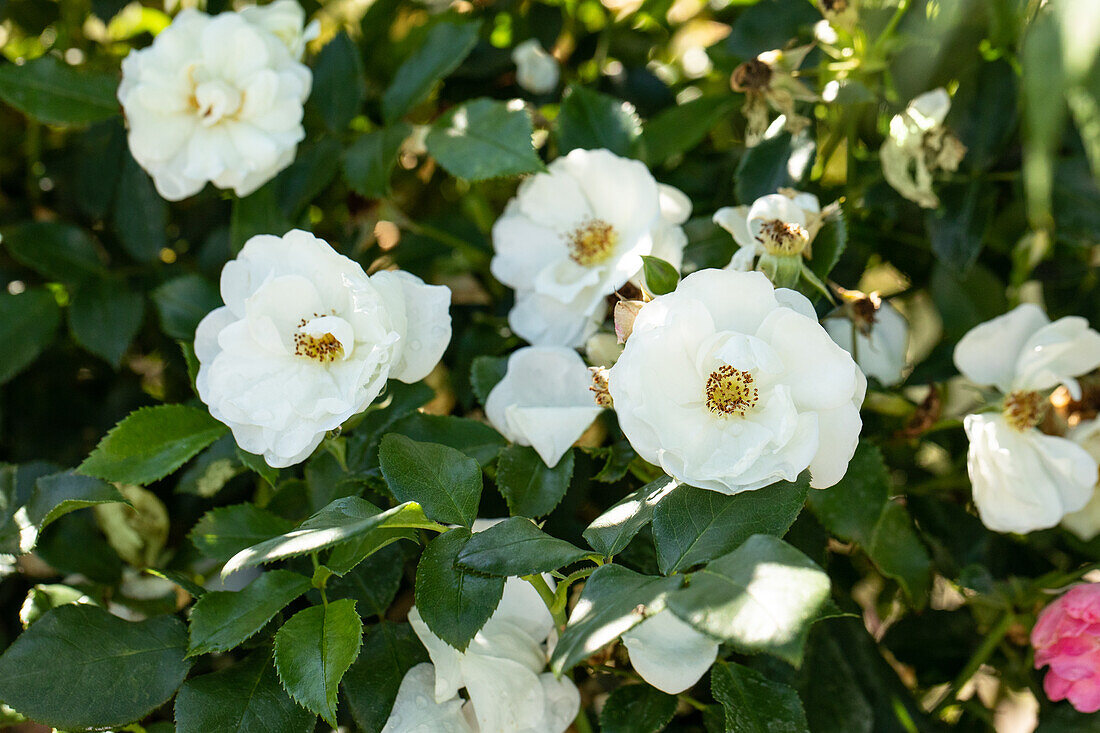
{"points": [[50, 91], [453, 603], [441, 479], [528, 485], [516, 547], [484, 139], [446, 46], [222, 620]]}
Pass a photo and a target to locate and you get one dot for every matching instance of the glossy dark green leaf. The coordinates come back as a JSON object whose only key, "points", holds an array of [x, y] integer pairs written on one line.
{"points": [[755, 704], [338, 89], [104, 316], [150, 443], [476, 439], [221, 620], [225, 531], [28, 322], [314, 649], [592, 120], [50, 91], [244, 697], [370, 685], [484, 139], [183, 302], [58, 251], [446, 46], [140, 214], [369, 161], [55, 671], [762, 597], [829, 245], [614, 601], [516, 547], [314, 167], [374, 582], [485, 373], [680, 128], [612, 531], [637, 709], [60, 493], [453, 603], [957, 228], [528, 485], [442, 480], [692, 526], [660, 276]]}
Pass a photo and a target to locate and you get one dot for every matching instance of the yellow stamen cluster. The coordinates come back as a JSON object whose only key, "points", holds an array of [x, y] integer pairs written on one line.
{"points": [[592, 242], [325, 348], [1024, 410], [783, 238], [730, 392]]}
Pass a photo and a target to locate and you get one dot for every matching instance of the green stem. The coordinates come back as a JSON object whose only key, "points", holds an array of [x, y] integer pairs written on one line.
{"points": [[989, 644], [581, 722], [888, 31], [547, 595]]}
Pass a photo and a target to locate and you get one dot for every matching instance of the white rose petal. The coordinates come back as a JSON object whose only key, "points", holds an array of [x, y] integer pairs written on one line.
{"points": [[1024, 480], [543, 400], [668, 653], [306, 340], [880, 353], [217, 99], [415, 711], [536, 70], [728, 387], [574, 235], [285, 19], [1086, 522]]}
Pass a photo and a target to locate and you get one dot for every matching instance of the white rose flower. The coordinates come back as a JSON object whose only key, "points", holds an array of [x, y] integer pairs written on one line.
{"points": [[501, 669], [919, 145], [536, 70], [214, 99], [1086, 522], [286, 19], [731, 386], [415, 709], [1024, 480], [668, 653], [778, 224], [576, 234], [543, 401], [306, 340], [878, 341]]}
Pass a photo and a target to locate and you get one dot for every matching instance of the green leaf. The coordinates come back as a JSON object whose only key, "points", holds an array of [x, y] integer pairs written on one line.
{"points": [[755, 704], [60, 493], [958, 227], [530, 488], [445, 482], [314, 649], [476, 439], [56, 670], [225, 531], [28, 322], [660, 276], [762, 597], [314, 167], [258, 465], [453, 603], [374, 582], [389, 651], [612, 531], [102, 150], [858, 509], [692, 526], [244, 697], [150, 443], [637, 709], [775, 162], [680, 128], [338, 85], [484, 139], [140, 214], [516, 547], [1043, 85], [344, 519], [260, 212], [619, 455], [57, 94], [485, 373], [43, 598], [592, 120], [58, 251], [446, 46], [369, 161], [221, 620], [183, 302], [614, 601], [829, 244], [105, 316]]}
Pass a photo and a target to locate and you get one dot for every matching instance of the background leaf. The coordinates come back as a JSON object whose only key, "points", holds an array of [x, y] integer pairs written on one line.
{"points": [[484, 139]]}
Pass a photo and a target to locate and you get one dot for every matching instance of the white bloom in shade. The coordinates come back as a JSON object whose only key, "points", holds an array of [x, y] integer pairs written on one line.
{"points": [[1086, 522], [919, 145], [501, 669], [777, 224], [287, 20], [668, 653], [306, 340], [1024, 480], [536, 70], [416, 711], [575, 234], [216, 99], [730, 385], [878, 343], [543, 401]]}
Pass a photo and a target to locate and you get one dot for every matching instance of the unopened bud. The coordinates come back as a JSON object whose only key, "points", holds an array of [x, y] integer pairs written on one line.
{"points": [[625, 313]]}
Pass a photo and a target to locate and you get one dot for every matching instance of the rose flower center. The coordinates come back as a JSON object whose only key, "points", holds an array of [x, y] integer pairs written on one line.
{"points": [[318, 339], [1024, 410], [730, 392], [783, 238], [592, 242]]}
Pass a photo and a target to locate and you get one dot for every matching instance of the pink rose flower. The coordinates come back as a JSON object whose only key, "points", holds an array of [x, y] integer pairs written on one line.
{"points": [[1067, 637]]}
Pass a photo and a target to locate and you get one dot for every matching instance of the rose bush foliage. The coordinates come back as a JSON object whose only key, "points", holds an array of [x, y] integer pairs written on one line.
{"points": [[634, 366]]}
